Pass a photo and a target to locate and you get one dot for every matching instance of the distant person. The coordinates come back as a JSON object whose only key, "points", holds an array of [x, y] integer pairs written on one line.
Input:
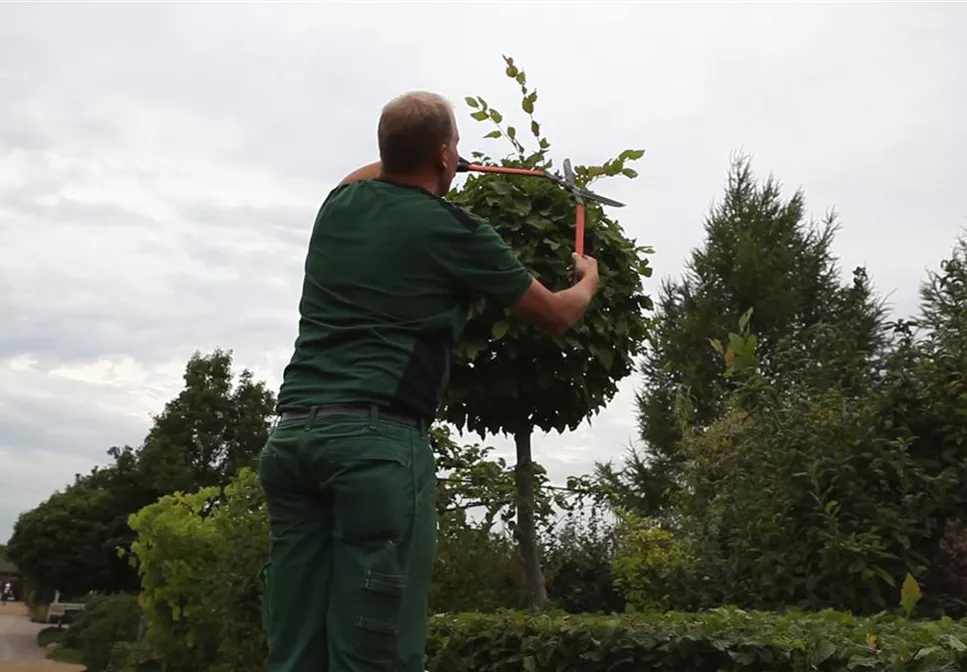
{"points": [[348, 472]]}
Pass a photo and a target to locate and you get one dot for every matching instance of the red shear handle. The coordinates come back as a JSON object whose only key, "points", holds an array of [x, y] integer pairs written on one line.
{"points": [[579, 231], [464, 167]]}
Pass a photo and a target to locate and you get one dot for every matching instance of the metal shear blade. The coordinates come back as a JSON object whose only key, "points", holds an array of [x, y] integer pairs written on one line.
{"points": [[591, 196], [570, 183]]}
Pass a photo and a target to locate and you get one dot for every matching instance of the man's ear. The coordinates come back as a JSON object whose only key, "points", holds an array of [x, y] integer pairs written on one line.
{"points": [[443, 158]]}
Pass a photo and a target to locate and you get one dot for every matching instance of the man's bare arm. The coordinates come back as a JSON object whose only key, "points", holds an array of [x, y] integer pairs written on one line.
{"points": [[367, 172], [557, 312]]}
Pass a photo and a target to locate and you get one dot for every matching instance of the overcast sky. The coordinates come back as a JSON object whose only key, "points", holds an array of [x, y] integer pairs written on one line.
{"points": [[161, 165]]}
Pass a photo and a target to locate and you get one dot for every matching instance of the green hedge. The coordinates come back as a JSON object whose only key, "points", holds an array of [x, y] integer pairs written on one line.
{"points": [[721, 640], [105, 621], [714, 641]]}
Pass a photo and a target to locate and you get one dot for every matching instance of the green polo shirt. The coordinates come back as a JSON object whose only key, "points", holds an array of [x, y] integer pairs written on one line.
{"points": [[389, 278]]}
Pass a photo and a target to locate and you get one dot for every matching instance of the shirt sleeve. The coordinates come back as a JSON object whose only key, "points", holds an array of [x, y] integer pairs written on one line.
{"points": [[481, 264]]}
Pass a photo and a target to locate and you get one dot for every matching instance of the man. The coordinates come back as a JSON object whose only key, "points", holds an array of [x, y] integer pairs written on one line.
{"points": [[348, 472]]}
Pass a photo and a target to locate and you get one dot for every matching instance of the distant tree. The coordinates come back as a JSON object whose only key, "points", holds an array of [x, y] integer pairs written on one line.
{"points": [[215, 426], [816, 490], [507, 377], [943, 303], [798, 496], [65, 543], [926, 396], [759, 253]]}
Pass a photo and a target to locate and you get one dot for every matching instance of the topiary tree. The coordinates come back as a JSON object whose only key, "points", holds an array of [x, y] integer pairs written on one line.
{"points": [[509, 378]]}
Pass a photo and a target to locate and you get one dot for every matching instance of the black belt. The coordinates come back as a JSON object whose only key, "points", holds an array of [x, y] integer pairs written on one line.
{"points": [[359, 411]]}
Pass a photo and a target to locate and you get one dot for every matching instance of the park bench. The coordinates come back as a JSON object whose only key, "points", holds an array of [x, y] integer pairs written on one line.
{"points": [[59, 609]]}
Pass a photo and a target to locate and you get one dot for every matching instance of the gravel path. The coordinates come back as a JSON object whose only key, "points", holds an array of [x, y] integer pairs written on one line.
{"points": [[18, 644]]}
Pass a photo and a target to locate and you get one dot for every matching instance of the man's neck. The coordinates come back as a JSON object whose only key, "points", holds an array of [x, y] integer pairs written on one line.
{"points": [[425, 182]]}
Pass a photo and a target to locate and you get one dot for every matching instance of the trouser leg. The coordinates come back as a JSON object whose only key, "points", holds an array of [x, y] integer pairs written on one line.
{"points": [[383, 548], [420, 556], [300, 562]]}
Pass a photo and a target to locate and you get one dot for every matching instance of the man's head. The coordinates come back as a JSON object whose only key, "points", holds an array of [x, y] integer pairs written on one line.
{"points": [[418, 139]]}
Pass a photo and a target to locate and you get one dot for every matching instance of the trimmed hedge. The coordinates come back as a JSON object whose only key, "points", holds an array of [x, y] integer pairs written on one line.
{"points": [[720, 640], [714, 641]]}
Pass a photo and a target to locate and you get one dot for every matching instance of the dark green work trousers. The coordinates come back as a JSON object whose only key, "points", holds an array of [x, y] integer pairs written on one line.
{"points": [[353, 525]]}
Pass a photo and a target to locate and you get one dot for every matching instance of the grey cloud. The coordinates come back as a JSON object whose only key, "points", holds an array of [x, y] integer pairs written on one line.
{"points": [[218, 316], [44, 443], [16, 135], [72, 427], [284, 225], [29, 203]]}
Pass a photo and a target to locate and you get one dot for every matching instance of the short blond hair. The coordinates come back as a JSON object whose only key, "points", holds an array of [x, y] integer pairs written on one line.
{"points": [[411, 129]]}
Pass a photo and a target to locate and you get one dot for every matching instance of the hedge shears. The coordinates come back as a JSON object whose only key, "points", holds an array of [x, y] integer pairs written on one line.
{"points": [[567, 182]]}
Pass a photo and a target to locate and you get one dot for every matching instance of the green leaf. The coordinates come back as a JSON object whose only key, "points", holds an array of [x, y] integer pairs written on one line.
{"points": [[473, 348], [824, 650], [479, 116], [511, 132], [493, 134], [909, 594], [483, 103], [501, 187], [736, 343], [744, 320], [629, 172], [496, 116], [631, 154], [521, 205], [956, 644], [472, 102], [885, 575], [512, 71], [499, 329], [536, 129], [528, 102]]}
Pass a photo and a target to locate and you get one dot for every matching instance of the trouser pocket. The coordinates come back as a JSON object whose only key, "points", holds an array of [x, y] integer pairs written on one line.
{"points": [[376, 619]]}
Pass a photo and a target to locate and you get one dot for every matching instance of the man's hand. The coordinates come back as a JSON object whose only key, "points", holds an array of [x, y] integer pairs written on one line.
{"points": [[586, 267], [556, 312]]}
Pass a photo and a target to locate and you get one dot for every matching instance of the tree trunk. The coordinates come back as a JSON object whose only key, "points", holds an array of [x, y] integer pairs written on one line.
{"points": [[526, 527]]}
